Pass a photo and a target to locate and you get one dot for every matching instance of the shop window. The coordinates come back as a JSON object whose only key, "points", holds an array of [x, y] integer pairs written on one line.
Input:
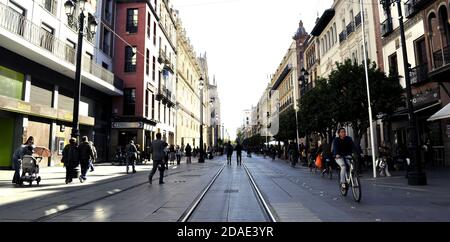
{"points": [[11, 83]]}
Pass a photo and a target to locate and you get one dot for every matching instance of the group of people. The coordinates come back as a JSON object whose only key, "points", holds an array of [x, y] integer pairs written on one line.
{"points": [[229, 151], [82, 155]]}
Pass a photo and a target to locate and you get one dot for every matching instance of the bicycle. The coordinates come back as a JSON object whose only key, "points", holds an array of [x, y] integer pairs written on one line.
{"points": [[328, 169], [352, 180], [382, 166]]}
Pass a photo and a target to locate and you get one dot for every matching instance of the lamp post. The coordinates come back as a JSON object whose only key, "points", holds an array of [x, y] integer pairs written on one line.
{"points": [[418, 177], [201, 86], [69, 7], [304, 82]]}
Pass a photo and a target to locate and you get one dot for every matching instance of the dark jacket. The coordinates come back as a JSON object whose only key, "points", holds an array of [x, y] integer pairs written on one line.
{"points": [[70, 156], [238, 149], [157, 150], [344, 147], [86, 152], [229, 149], [188, 150]]}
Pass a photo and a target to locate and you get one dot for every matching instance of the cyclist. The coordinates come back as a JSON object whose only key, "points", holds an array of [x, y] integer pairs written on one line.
{"points": [[343, 146], [325, 151]]}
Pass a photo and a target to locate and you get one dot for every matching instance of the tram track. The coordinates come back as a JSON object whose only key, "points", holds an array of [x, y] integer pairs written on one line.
{"points": [[192, 209]]}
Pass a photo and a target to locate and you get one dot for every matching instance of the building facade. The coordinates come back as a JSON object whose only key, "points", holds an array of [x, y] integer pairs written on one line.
{"points": [[426, 31], [37, 71], [188, 94]]}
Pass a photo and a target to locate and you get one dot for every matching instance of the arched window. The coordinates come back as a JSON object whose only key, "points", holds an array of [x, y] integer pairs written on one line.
{"points": [[444, 26], [433, 39]]}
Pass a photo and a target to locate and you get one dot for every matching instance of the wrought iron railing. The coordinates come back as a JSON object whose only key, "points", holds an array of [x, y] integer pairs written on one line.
{"points": [[350, 28], [419, 74], [441, 57], [19, 25], [386, 27], [358, 20], [342, 36]]}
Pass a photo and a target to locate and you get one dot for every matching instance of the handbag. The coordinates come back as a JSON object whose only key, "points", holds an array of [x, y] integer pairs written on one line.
{"points": [[319, 161]]}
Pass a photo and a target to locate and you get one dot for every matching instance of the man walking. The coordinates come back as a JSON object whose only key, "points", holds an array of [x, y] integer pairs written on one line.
{"points": [[239, 153], [158, 155], [229, 152], [188, 151], [70, 158], [86, 155], [94, 151], [131, 155]]}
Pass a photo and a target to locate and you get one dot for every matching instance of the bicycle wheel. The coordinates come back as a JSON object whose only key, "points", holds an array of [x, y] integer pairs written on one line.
{"points": [[343, 191], [356, 187]]}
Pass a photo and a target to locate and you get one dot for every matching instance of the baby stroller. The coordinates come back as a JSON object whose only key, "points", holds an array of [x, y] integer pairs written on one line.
{"points": [[30, 170]]}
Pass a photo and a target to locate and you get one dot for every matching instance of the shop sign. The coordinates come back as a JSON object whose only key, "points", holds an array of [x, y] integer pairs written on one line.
{"points": [[127, 125], [425, 98]]}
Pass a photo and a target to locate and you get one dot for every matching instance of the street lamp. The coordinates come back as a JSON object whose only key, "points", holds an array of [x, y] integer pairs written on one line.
{"points": [[69, 7], [201, 86], [418, 177]]}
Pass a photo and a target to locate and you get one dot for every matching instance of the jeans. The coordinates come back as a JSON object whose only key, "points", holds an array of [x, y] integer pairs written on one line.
{"points": [[239, 159], [16, 177], [84, 168], [229, 159], [131, 161], [178, 159], [157, 165], [188, 159], [343, 163]]}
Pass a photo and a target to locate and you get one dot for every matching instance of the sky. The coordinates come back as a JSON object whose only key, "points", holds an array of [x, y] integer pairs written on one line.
{"points": [[245, 41]]}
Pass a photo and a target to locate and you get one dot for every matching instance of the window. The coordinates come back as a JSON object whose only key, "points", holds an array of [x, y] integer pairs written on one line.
{"points": [[154, 69], [147, 62], [153, 106], [47, 37], [147, 97], [19, 17], [130, 59], [50, 5], [106, 41], [129, 100], [104, 65], [156, 5], [70, 51], [393, 64], [132, 20], [108, 10], [149, 29], [154, 33]]}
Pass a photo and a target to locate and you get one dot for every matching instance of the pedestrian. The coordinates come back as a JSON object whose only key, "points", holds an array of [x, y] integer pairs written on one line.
{"points": [[158, 155], [172, 154], [86, 154], [70, 158], [24, 149], [428, 153], [131, 155], [229, 152], [188, 151], [293, 153], [238, 149], [166, 157], [178, 153], [92, 161]]}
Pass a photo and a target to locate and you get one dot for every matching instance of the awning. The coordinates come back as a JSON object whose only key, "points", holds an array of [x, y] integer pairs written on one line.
{"points": [[442, 114]]}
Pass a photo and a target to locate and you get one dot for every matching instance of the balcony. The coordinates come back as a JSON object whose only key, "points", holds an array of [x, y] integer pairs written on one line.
{"points": [[419, 74], [342, 36], [36, 44], [441, 67], [162, 56], [386, 27], [350, 28], [358, 20], [412, 7]]}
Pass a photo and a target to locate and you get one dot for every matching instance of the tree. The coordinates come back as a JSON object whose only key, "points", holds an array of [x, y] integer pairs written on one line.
{"points": [[348, 86], [287, 126], [317, 110]]}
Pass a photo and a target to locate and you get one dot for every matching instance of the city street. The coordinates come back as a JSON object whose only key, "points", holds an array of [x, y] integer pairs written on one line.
{"points": [[292, 194]]}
